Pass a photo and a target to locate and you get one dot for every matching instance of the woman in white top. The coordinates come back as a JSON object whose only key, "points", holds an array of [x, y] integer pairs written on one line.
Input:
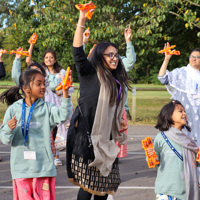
{"points": [[184, 85]]}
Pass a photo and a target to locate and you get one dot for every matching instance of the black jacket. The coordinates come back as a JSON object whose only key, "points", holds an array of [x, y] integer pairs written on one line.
{"points": [[77, 139], [2, 70]]}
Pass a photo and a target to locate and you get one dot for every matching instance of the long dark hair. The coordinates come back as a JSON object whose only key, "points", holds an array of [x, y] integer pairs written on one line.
{"points": [[38, 66], [165, 120], [106, 75], [57, 67], [13, 94]]}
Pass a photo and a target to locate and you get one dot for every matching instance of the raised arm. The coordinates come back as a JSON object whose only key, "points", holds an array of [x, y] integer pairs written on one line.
{"points": [[83, 66], [78, 37], [59, 115], [130, 58], [32, 41], [164, 65], [16, 68], [30, 50], [86, 36]]}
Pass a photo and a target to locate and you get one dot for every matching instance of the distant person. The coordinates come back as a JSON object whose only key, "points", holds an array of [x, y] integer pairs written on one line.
{"points": [[177, 172], [184, 85], [2, 68], [26, 126]]}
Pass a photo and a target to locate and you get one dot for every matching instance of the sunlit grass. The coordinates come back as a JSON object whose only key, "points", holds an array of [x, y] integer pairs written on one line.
{"points": [[148, 103]]}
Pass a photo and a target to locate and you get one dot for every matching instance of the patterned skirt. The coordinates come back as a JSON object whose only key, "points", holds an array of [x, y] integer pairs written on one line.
{"points": [[91, 180]]}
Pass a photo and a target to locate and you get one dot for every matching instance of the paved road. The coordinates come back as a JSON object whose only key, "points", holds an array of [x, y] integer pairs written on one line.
{"points": [[137, 179]]}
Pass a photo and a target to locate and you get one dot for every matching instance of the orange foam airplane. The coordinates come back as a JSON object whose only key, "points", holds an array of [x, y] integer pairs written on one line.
{"points": [[152, 158], [3, 51], [66, 81], [168, 51], [86, 7], [33, 39], [23, 53]]}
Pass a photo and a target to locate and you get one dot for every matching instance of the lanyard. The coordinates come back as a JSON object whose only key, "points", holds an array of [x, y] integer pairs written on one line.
{"points": [[25, 137], [120, 90], [171, 146]]}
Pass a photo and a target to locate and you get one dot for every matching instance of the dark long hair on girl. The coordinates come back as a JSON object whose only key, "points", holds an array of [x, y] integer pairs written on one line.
{"points": [[109, 76], [13, 94], [165, 120], [38, 66], [57, 67]]}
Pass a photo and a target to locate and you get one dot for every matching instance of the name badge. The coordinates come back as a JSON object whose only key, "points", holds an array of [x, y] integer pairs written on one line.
{"points": [[29, 155]]}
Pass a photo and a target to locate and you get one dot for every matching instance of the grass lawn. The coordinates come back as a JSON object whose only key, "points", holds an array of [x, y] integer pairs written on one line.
{"points": [[148, 103]]}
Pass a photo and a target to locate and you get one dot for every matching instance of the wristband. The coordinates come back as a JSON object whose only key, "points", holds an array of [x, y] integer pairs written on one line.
{"points": [[80, 26]]}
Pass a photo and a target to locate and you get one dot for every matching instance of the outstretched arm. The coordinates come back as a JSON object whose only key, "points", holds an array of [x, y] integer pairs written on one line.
{"points": [[78, 37], [82, 64], [86, 35], [164, 65], [16, 68], [30, 50], [130, 58]]}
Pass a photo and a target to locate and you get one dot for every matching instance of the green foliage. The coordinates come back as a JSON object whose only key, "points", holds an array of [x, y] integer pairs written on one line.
{"points": [[153, 23]]}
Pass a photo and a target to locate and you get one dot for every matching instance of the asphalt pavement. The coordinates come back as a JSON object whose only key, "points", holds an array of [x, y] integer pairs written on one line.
{"points": [[137, 180]]}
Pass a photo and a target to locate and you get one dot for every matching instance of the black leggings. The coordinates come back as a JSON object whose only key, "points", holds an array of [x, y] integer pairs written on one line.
{"points": [[83, 195]]}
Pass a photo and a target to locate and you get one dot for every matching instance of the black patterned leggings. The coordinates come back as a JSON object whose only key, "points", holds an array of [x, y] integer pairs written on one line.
{"points": [[84, 195]]}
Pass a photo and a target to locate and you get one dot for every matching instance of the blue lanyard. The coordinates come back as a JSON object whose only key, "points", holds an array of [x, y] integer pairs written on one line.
{"points": [[25, 137], [171, 146]]}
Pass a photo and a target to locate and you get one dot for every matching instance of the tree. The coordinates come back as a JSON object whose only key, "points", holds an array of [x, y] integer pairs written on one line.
{"points": [[160, 21], [153, 23]]}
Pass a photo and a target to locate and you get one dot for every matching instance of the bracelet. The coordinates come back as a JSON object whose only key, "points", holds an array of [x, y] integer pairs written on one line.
{"points": [[80, 26]]}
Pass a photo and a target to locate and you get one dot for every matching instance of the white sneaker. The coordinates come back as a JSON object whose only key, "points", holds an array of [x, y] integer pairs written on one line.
{"points": [[57, 162]]}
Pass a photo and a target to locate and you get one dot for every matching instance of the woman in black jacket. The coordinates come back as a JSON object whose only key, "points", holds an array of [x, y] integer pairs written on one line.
{"points": [[96, 123]]}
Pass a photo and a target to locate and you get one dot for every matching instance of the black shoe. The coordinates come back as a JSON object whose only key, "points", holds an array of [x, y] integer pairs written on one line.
{"points": [[128, 115]]}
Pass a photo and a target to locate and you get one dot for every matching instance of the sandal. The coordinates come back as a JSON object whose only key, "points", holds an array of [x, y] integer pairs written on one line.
{"points": [[57, 162]]}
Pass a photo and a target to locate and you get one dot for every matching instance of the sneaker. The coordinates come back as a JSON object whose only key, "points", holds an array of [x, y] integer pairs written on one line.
{"points": [[57, 162], [128, 115]]}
